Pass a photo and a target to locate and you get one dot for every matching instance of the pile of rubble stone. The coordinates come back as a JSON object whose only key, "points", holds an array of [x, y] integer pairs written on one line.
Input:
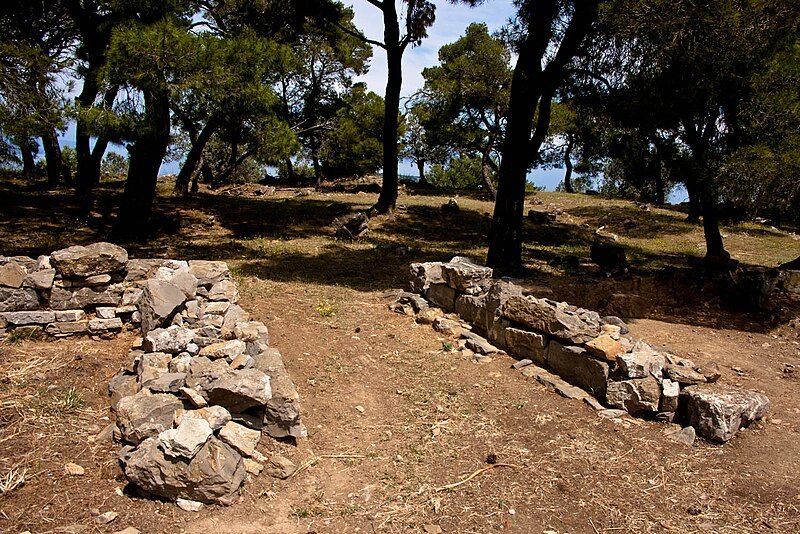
{"points": [[576, 351], [199, 390]]}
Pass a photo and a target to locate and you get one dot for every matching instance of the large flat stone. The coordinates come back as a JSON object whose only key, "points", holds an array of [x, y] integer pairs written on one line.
{"points": [[209, 272], [240, 390], [145, 414], [442, 295], [717, 413], [158, 303], [637, 396], [18, 299], [556, 319], [68, 299], [425, 274], [214, 475], [12, 275], [462, 273], [526, 344], [27, 317], [574, 365], [473, 310], [97, 258]]}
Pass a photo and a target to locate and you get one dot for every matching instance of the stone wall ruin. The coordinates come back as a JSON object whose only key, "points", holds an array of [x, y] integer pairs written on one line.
{"points": [[202, 385], [575, 351]]}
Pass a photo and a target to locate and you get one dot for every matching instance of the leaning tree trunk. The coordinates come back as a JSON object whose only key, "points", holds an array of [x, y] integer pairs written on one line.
{"points": [[505, 238], [146, 155], [568, 166], [26, 149], [317, 171], [194, 157], [486, 175], [387, 200], [56, 171]]}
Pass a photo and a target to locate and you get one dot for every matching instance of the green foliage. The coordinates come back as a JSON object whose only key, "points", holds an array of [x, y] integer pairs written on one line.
{"points": [[353, 147], [462, 172], [463, 104], [69, 159], [114, 166]]}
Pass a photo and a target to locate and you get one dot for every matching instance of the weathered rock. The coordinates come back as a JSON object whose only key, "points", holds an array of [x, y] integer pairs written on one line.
{"points": [[224, 290], [42, 279], [282, 415], [442, 295], [541, 217], [197, 400], [684, 375], [416, 302], [217, 307], [97, 258], [224, 349], [575, 366], [462, 273], [710, 371], [168, 383], [158, 303], [202, 372], [638, 395], [233, 316], [473, 310], [521, 363], [105, 325], [425, 274], [173, 339], [85, 297], [12, 275], [95, 280], [67, 328], [685, 435], [188, 505], [351, 227], [555, 319], [717, 413], [280, 467], [241, 438], [670, 392], [214, 475], [641, 361], [616, 321], [255, 335], [183, 279], [605, 347], [18, 299], [105, 312], [241, 389], [145, 414], [182, 363], [215, 416], [120, 386], [526, 344], [151, 366], [253, 467], [185, 440], [447, 326], [209, 272], [478, 344], [21, 318], [70, 315]]}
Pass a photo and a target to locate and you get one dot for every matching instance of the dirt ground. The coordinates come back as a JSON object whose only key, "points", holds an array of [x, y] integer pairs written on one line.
{"points": [[392, 417]]}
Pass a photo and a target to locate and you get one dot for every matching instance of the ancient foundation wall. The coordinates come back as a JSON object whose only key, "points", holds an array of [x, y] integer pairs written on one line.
{"points": [[200, 387], [557, 343]]}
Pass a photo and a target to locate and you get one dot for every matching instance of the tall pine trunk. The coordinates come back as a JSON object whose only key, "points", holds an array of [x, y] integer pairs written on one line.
{"points": [[193, 158], [387, 200], [146, 155], [85, 176], [568, 166], [52, 156], [27, 149], [421, 171], [486, 175], [694, 202]]}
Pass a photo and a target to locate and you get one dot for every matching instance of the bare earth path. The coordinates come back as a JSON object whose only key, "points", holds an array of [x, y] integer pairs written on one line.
{"points": [[392, 418]]}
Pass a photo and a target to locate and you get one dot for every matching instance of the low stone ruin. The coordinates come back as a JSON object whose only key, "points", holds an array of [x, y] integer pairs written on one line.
{"points": [[575, 351], [202, 385]]}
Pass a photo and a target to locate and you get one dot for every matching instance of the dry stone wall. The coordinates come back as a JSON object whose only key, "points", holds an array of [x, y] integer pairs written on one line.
{"points": [[199, 390], [576, 351]]}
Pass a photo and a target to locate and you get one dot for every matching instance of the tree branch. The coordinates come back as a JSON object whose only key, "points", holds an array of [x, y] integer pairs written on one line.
{"points": [[358, 34]]}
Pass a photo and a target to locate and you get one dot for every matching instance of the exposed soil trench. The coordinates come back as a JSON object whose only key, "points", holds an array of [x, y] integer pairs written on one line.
{"points": [[392, 417]]}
